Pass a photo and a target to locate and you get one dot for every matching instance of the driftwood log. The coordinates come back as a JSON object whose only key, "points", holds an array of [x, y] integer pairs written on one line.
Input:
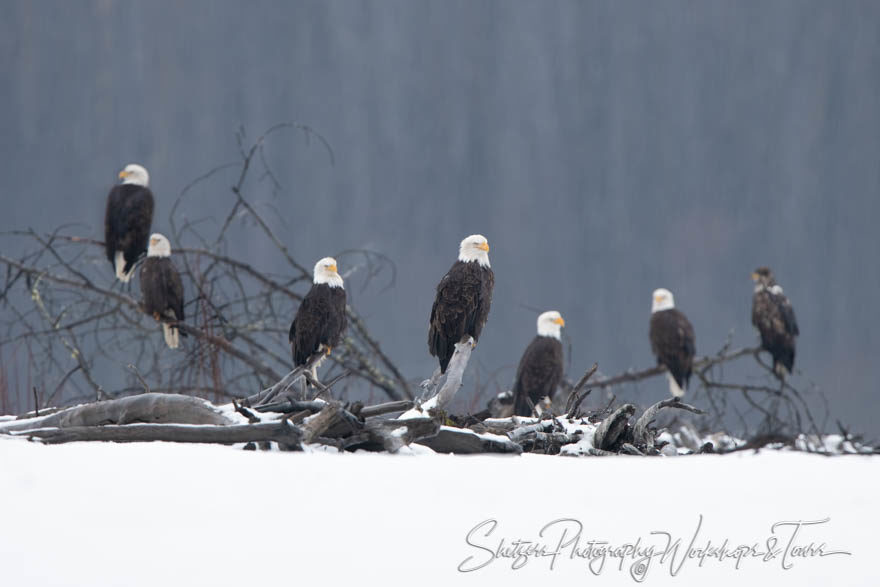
{"points": [[281, 432], [156, 408], [465, 442], [155, 417]]}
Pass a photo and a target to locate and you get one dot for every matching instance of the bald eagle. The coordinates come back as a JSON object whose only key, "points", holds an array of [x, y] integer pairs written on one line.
{"points": [[773, 316], [540, 368], [464, 295], [163, 289], [320, 320], [127, 220], [672, 341]]}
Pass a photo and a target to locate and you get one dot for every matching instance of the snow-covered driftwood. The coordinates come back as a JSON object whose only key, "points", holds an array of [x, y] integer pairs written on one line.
{"points": [[464, 441], [156, 408], [642, 434], [174, 418], [449, 382]]}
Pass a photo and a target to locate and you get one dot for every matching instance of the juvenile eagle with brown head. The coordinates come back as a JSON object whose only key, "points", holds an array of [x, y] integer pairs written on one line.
{"points": [[773, 316]]}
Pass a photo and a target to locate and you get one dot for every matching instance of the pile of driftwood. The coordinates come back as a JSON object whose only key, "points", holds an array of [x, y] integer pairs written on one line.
{"points": [[281, 416]]}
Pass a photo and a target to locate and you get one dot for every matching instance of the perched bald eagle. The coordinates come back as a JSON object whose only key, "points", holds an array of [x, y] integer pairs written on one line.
{"points": [[541, 366], [464, 295], [127, 220], [163, 289], [320, 320], [672, 341], [773, 316]]}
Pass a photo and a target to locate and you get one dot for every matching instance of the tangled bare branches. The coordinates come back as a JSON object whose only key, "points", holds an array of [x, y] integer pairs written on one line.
{"points": [[77, 334]]}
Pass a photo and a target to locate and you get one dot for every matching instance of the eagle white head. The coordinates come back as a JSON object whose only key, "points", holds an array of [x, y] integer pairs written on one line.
{"points": [[135, 174], [474, 248], [662, 300], [550, 324], [159, 246], [327, 272]]}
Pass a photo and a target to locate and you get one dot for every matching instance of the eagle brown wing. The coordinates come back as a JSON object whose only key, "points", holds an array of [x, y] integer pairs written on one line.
{"points": [[319, 320], [673, 343], [461, 307], [162, 289], [773, 316]]}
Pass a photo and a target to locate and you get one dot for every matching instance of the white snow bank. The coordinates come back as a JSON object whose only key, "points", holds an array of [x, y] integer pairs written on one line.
{"points": [[148, 514]]}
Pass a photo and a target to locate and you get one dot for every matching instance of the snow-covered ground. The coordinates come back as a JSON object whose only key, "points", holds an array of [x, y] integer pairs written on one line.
{"points": [[152, 514]]}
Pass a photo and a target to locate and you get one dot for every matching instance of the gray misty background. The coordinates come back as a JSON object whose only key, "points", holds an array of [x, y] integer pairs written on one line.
{"points": [[604, 148]]}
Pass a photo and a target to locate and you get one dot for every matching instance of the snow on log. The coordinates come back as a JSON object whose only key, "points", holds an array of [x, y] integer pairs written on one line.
{"points": [[156, 408], [451, 381], [464, 441]]}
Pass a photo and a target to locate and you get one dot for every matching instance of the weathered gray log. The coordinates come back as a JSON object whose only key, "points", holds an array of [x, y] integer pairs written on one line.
{"points": [[317, 424], [642, 435], [611, 427], [451, 382], [147, 408], [508, 423], [628, 449], [386, 408], [282, 389], [464, 441], [392, 435], [454, 373], [280, 432], [290, 405], [523, 431]]}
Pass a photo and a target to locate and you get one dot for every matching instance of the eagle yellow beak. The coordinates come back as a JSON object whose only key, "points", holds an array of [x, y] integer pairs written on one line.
{"points": [[332, 268], [658, 299], [154, 241], [483, 247], [754, 277], [560, 321], [123, 174]]}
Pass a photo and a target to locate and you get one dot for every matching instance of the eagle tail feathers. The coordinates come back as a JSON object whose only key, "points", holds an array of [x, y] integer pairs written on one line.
{"points": [[674, 388], [119, 264], [172, 336]]}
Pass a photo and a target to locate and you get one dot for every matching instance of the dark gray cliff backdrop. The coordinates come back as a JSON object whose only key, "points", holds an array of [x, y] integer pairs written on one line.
{"points": [[605, 149]]}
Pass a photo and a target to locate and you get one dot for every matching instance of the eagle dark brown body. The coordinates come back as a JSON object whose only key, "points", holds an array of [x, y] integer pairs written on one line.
{"points": [[320, 320], [460, 308], [539, 373], [162, 289], [773, 316], [673, 343], [127, 221]]}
